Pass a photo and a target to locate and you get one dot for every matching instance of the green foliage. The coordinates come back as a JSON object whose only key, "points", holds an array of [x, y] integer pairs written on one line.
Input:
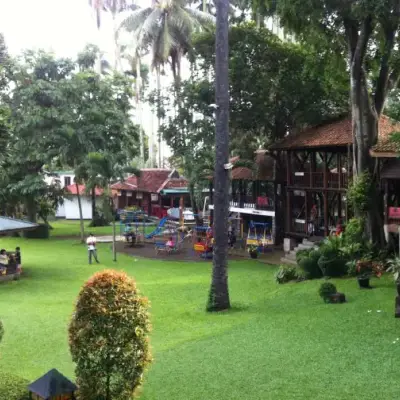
{"points": [[286, 273], [41, 232], [359, 192], [108, 337], [269, 92], [394, 268], [310, 265], [326, 290], [13, 387]]}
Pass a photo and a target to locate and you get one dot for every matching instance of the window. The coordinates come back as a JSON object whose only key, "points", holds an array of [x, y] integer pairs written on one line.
{"points": [[67, 180]]}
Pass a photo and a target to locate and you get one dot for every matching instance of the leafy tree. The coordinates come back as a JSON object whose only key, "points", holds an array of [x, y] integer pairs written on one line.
{"points": [[37, 123], [218, 299], [108, 337], [275, 87], [364, 34]]}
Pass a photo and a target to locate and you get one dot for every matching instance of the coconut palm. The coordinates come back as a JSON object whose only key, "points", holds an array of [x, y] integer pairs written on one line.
{"points": [[114, 7], [167, 27], [219, 294]]}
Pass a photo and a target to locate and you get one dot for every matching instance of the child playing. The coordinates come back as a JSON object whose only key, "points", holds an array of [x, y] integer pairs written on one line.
{"points": [[170, 244]]}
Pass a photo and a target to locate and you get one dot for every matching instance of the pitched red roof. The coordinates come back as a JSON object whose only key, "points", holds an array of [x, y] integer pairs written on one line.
{"points": [[333, 134], [174, 183], [151, 180], [71, 189]]}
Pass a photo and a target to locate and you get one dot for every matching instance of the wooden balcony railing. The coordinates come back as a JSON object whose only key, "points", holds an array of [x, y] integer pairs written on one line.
{"points": [[260, 203], [316, 180]]}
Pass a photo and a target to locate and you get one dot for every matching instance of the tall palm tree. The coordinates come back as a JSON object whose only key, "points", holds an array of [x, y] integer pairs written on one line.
{"points": [[219, 294], [166, 27], [114, 7]]}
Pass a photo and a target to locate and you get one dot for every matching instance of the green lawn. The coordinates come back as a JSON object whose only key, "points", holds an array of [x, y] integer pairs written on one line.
{"points": [[68, 228], [278, 342]]}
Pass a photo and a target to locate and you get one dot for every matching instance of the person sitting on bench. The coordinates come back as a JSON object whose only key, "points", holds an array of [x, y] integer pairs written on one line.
{"points": [[129, 234], [3, 260]]}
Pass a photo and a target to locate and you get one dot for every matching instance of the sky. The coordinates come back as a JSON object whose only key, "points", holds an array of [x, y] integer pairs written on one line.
{"points": [[63, 27]]}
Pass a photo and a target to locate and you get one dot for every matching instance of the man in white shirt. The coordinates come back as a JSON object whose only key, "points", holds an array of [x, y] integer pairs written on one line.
{"points": [[91, 243]]}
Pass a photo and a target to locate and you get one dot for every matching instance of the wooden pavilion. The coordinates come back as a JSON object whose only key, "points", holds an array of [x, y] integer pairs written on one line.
{"points": [[318, 166], [387, 152], [52, 386]]}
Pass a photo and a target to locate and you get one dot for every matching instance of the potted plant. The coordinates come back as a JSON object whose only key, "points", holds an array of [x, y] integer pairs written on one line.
{"points": [[394, 268], [366, 268], [253, 251]]}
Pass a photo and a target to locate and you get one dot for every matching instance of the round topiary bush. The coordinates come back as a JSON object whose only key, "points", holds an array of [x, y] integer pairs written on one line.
{"points": [[326, 290], [13, 387], [108, 337]]}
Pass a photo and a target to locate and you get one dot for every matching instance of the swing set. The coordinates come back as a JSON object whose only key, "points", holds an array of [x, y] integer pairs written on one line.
{"points": [[260, 234]]}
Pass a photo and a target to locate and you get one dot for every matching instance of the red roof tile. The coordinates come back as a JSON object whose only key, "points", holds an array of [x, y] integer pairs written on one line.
{"points": [[71, 189], [333, 134], [151, 179], [174, 183]]}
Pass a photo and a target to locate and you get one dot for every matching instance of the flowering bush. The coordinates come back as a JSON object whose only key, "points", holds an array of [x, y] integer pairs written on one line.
{"points": [[366, 268]]}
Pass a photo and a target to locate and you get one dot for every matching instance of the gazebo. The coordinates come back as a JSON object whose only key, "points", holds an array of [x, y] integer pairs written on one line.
{"points": [[52, 386]]}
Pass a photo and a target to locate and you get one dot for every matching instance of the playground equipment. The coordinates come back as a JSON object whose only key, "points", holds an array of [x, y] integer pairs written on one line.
{"points": [[203, 241], [158, 230], [260, 234], [132, 225]]}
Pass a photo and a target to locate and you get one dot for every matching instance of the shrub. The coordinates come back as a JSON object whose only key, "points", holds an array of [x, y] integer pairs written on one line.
{"points": [[13, 387], [286, 273], [108, 337], [332, 263], [354, 232], [309, 264], [41, 232], [359, 192], [326, 290], [301, 254]]}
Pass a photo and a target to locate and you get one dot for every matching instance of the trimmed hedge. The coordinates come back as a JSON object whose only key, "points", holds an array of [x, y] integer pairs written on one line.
{"points": [[41, 232], [13, 387]]}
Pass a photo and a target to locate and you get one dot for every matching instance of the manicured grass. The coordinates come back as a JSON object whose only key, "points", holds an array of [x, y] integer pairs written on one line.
{"points": [[68, 228], [278, 342]]}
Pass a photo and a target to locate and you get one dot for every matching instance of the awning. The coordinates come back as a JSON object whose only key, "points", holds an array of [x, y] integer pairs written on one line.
{"points": [[175, 191], [9, 225]]}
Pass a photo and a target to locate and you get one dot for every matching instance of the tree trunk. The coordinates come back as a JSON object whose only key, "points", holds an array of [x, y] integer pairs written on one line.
{"points": [[138, 107], [159, 117], [117, 53], [365, 134], [193, 202], [93, 198], [219, 294], [80, 213], [31, 209]]}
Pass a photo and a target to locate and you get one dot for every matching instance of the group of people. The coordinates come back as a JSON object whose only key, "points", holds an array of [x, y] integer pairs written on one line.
{"points": [[10, 259]]}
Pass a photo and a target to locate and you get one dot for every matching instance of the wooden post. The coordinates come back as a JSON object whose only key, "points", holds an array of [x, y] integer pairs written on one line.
{"points": [[385, 202], [172, 202], [326, 226], [306, 210], [339, 168], [241, 199], [181, 206], [312, 168], [255, 193], [289, 168]]}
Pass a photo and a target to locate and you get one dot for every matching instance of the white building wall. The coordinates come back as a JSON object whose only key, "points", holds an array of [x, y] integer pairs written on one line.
{"points": [[72, 209]]}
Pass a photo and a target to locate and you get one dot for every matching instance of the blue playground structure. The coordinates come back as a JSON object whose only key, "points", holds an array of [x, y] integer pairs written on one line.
{"points": [[158, 230], [132, 225]]}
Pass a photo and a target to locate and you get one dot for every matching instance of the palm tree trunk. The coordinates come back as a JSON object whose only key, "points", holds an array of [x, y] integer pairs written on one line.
{"points": [[80, 213], [219, 294], [138, 107], [93, 195], [159, 117], [117, 52]]}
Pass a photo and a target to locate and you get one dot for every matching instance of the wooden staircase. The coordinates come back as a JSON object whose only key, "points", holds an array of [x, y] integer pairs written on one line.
{"points": [[290, 258]]}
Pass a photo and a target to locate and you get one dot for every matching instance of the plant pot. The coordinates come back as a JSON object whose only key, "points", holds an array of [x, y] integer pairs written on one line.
{"points": [[364, 283], [253, 254]]}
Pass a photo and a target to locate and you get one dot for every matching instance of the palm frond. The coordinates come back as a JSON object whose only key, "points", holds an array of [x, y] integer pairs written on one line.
{"points": [[206, 20], [162, 44], [136, 19]]}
